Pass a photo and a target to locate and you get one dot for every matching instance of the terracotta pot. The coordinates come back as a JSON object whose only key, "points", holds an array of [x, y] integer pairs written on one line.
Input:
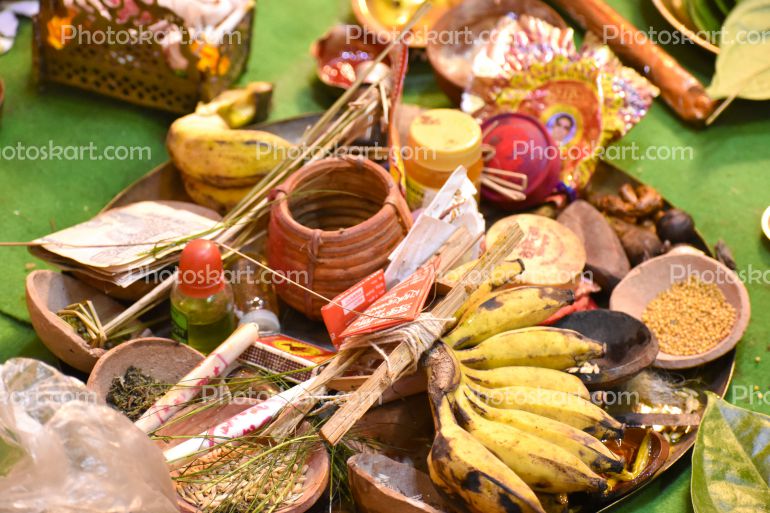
{"points": [[47, 293], [382, 485], [333, 223]]}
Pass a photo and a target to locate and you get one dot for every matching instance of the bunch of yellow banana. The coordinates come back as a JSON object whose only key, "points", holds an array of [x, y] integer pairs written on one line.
{"points": [[511, 424], [504, 310], [219, 163]]}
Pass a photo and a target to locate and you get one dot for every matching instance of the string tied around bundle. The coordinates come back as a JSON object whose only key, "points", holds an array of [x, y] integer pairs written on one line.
{"points": [[418, 335]]}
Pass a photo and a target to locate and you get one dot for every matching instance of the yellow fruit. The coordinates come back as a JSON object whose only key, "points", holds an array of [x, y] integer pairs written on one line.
{"points": [[544, 466], [501, 275], [537, 377], [566, 408], [204, 146], [461, 467], [590, 450], [508, 310], [538, 346], [220, 199]]}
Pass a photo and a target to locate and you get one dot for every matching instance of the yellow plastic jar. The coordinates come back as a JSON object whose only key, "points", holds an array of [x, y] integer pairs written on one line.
{"points": [[439, 141]]}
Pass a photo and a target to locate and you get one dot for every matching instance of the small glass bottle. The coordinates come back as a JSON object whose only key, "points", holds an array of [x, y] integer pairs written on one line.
{"points": [[255, 299], [201, 301]]}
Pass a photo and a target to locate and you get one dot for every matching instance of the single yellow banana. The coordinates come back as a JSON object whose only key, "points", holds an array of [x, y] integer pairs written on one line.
{"points": [[538, 346], [221, 199], [461, 467], [204, 146], [503, 274], [567, 408], [591, 451], [537, 377], [544, 466], [508, 310]]}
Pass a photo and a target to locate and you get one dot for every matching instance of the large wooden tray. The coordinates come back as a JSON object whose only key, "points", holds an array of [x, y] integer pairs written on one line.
{"points": [[164, 183]]}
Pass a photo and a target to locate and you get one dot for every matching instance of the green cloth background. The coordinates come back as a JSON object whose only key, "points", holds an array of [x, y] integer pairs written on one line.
{"points": [[725, 186]]}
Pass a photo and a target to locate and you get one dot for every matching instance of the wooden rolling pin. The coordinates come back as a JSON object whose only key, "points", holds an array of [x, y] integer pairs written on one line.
{"points": [[682, 91]]}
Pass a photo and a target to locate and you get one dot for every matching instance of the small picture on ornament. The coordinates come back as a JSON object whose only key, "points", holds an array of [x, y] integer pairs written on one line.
{"points": [[562, 127]]}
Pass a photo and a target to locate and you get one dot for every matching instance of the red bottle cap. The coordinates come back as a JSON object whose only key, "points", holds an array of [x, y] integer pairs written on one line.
{"points": [[200, 269]]}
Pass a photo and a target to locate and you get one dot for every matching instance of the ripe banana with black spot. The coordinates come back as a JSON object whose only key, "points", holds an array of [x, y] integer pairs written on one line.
{"points": [[460, 465], [562, 407], [507, 310], [505, 273], [537, 377], [206, 147], [590, 450], [537, 346], [462, 468], [221, 199], [544, 466]]}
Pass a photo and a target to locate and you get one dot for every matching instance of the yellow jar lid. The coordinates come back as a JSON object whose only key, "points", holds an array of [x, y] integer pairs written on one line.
{"points": [[442, 139]]}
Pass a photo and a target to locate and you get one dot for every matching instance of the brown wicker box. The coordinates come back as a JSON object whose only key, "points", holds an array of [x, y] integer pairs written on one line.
{"points": [[135, 72]]}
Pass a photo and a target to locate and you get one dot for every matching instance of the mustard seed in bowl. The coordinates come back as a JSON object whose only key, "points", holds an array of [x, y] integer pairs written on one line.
{"points": [[689, 318]]}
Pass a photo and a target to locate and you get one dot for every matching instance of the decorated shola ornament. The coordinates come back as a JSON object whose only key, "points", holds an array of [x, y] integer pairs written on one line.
{"points": [[585, 98]]}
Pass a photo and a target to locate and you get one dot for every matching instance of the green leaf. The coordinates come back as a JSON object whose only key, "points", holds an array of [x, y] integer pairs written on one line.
{"points": [[743, 64], [731, 460]]}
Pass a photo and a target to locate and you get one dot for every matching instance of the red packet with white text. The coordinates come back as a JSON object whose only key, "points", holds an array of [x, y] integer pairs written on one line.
{"points": [[356, 299], [400, 305]]}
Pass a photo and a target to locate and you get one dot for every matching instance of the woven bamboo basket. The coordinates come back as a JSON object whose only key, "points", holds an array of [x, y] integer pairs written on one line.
{"points": [[91, 51], [333, 223]]}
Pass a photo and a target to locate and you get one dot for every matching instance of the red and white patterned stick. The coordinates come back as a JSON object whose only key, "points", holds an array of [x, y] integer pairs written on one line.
{"points": [[239, 425], [191, 385]]}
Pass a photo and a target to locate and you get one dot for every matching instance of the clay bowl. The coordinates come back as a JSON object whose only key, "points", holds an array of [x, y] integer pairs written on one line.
{"points": [[452, 62], [341, 56], [316, 484], [675, 12], [318, 462], [165, 360], [382, 485], [47, 293], [630, 345], [657, 275], [385, 18]]}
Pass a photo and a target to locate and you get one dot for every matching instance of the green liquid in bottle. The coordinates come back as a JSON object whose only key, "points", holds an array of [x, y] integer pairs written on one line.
{"points": [[201, 300], [203, 323]]}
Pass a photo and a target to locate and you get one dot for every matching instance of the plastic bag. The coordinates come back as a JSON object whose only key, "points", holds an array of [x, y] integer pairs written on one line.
{"points": [[62, 451]]}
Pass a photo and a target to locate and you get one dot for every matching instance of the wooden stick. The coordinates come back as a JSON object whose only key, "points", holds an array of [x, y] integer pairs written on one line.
{"points": [[511, 174], [401, 357], [508, 193], [502, 182]]}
